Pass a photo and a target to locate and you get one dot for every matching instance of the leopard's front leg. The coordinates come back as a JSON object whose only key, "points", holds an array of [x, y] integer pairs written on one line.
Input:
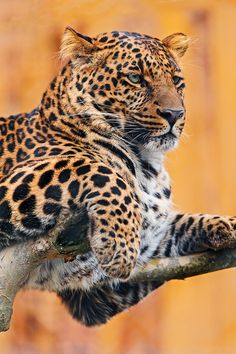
{"points": [[192, 233], [115, 227], [49, 197]]}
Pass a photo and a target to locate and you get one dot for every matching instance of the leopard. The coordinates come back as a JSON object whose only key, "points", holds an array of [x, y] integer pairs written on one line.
{"points": [[90, 160]]}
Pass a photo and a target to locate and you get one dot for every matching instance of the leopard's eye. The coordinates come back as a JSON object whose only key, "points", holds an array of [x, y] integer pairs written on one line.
{"points": [[176, 79], [135, 79]]}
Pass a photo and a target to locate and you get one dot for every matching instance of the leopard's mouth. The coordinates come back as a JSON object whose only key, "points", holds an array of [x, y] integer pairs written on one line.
{"points": [[167, 136], [135, 134]]}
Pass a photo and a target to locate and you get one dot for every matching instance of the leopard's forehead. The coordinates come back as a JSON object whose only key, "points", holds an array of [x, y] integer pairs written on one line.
{"points": [[129, 40], [141, 46]]}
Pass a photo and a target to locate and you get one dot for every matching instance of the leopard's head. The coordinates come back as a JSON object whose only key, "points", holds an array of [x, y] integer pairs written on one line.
{"points": [[130, 81]]}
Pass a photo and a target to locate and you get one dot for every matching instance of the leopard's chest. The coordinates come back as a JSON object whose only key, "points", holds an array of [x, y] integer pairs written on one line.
{"points": [[153, 190], [155, 206]]}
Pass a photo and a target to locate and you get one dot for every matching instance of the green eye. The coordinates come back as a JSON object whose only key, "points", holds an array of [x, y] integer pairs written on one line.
{"points": [[176, 79], [135, 79]]}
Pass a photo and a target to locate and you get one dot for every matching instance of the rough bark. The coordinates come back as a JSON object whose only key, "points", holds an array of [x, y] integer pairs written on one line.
{"points": [[165, 269], [18, 261]]}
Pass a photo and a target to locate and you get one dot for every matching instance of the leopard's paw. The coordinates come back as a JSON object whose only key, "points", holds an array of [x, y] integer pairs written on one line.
{"points": [[221, 233]]}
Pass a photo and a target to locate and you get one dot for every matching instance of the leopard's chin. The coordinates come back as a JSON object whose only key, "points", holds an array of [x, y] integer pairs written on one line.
{"points": [[163, 143]]}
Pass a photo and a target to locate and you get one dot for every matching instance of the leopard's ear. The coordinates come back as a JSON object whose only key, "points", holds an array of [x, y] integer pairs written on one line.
{"points": [[177, 43], [75, 45]]}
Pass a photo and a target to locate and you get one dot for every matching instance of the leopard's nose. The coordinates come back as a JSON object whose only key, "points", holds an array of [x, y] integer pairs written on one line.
{"points": [[171, 115]]}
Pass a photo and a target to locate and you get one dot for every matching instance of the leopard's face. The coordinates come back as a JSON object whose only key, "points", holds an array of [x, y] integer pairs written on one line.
{"points": [[132, 82]]}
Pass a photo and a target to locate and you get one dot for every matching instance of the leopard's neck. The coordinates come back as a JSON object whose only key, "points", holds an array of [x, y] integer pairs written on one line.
{"points": [[61, 113]]}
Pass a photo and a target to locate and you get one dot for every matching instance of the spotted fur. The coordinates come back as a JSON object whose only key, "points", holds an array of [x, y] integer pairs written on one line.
{"points": [[89, 161]]}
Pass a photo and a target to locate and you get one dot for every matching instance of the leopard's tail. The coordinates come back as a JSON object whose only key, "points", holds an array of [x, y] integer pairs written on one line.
{"points": [[97, 306]]}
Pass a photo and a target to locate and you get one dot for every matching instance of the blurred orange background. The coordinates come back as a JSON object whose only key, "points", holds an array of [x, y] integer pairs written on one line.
{"points": [[199, 314]]}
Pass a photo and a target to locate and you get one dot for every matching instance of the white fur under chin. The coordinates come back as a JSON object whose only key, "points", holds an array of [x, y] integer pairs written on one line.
{"points": [[161, 144]]}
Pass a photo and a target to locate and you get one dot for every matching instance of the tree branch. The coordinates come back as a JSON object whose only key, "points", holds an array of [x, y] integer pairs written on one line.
{"points": [[165, 269], [18, 261]]}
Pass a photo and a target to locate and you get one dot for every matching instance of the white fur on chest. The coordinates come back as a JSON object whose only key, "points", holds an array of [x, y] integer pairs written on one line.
{"points": [[155, 203]]}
